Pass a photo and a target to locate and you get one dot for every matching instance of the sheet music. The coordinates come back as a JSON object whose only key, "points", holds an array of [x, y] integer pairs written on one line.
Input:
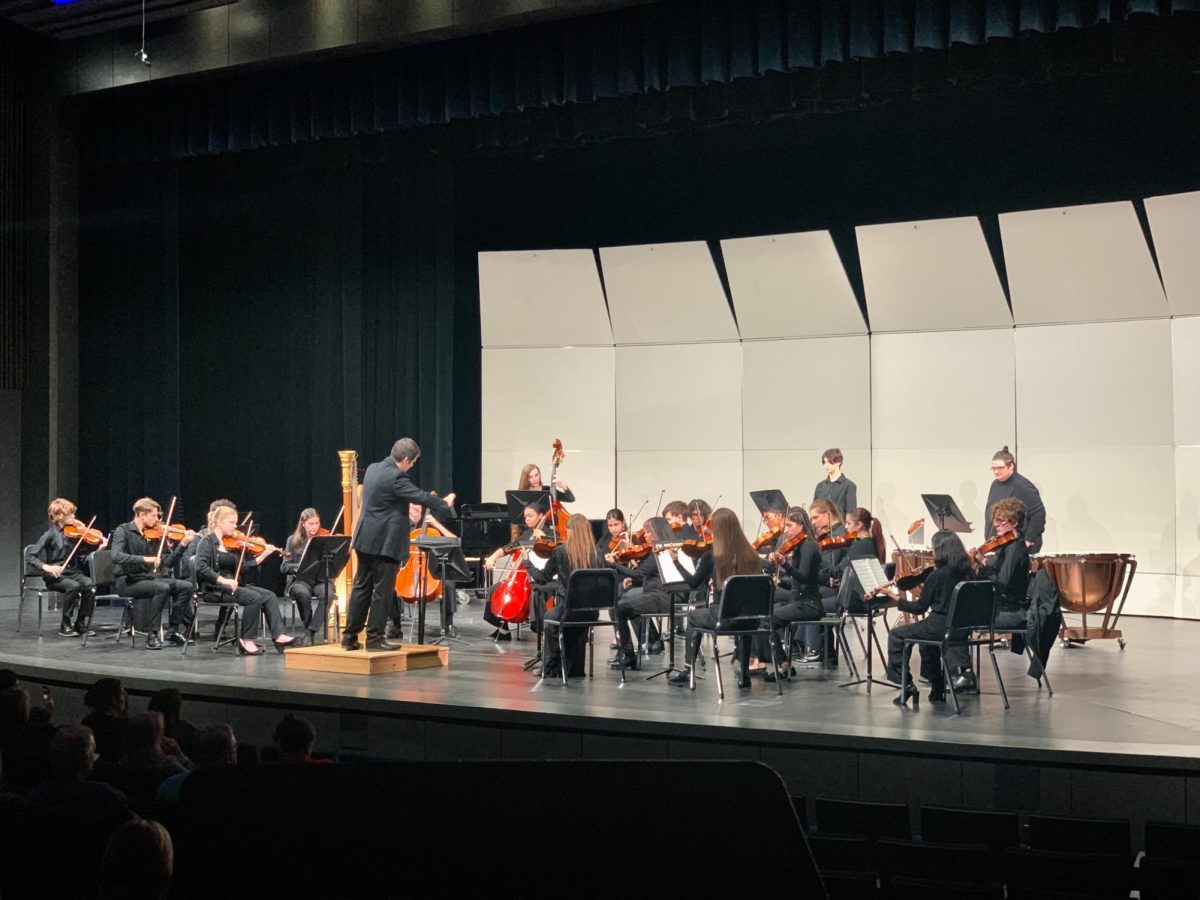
{"points": [[672, 572], [870, 573]]}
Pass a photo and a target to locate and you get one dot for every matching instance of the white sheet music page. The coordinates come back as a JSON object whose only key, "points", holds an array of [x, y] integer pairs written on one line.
{"points": [[870, 573]]}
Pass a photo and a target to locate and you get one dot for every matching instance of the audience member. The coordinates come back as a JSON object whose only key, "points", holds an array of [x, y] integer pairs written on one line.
{"points": [[137, 863], [106, 699], [295, 737], [169, 702], [68, 791], [215, 746], [24, 743]]}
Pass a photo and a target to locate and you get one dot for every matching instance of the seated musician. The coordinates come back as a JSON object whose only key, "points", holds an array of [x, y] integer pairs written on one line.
{"points": [[215, 570], [732, 554], [615, 528], [578, 551], [866, 540], [1009, 569], [699, 514], [951, 566], [309, 598], [420, 519], [48, 555], [798, 594], [533, 530], [826, 519], [144, 566]]}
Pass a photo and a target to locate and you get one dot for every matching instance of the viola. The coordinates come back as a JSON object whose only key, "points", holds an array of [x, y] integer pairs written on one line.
{"points": [[616, 541], [544, 547], [790, 544], [414, 581], [238, 541], [838, 543], [92, 536], [633, 551], [697, 547], [995, 544], [766, 537], [175, 533]]}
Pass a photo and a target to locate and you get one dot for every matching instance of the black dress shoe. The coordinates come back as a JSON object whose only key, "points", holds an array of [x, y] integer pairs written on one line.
{"points": [[631, 661], [351, 644], [654, 648], [682, 678], [910, 693], [966, 682], [938, 693], [175, 639], [383, 644], [153, 642]]}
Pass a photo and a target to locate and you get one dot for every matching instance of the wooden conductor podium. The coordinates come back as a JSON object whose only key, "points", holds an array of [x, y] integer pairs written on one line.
{"points": [[331, 657]]}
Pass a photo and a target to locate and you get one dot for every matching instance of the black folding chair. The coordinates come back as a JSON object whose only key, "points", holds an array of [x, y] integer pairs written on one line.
{"points": [[32, 583], [229, 611], [872, 820], [972, 608], [998, 830], [1071, 835], [104, 573], [588, 591], [745, 612]]}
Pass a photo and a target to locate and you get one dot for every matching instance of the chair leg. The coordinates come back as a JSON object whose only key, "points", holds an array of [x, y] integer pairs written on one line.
{"points": [[562, 654], [717, 665], [999, 680], [905, 649], [1044, 677], [775, 663], [845, 644], [950, 682], [591, 660]]}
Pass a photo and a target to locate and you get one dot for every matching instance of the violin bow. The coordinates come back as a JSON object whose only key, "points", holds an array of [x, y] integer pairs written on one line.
{"points": [[333, 527], [163, 540], [237, 574], [71, 555]]}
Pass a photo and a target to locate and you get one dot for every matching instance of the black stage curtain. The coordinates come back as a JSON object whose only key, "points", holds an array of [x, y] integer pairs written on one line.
{"points": [[245, 322], [638, 51]]}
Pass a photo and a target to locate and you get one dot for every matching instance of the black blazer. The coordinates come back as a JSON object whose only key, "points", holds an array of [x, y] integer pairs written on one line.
{"points": [[382, 527]]}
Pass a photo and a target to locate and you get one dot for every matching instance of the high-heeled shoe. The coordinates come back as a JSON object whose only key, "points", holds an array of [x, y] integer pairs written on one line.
{"points": [[910, 693], [284, 640], [248, 647]]}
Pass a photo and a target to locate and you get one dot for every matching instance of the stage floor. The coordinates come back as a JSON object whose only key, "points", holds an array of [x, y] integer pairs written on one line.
{"points": [[1132, 707]]}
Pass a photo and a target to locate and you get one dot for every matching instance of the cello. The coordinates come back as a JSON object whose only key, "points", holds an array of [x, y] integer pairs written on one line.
{"points": [[415, 581], [511, 598]]}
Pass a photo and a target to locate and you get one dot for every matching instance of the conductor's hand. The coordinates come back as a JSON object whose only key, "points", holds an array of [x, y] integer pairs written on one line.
{"points": [[449, 499]]}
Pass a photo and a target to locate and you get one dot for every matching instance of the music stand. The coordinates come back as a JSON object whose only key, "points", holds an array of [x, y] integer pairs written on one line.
{"points": [[945, 512], [325, 555], [771, 500], [448, 554], [660, 532]]}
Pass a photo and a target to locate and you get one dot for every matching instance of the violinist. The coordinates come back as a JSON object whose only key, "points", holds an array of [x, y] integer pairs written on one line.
{"points": [[143, 561], [865, 535], [773, 518], [381, 541], [699, 513], [534, 520], [1010, 483], [578, 551], [835, 487], [798, 597], [220, 569], [732, 554], [951, 566], [614, 536], [49, 555], [309, 598], [1009, 569], [677, 513], [826, 519]]}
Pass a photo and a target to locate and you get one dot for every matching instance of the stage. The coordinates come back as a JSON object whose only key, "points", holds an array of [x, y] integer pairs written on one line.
{"points": [[1120, 736]]}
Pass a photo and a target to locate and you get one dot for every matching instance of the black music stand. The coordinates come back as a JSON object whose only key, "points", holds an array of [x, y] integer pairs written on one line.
{"points": [[660, 532], [945, 512], [771, 500], [325, 555], [869, 572], [447, 552]]}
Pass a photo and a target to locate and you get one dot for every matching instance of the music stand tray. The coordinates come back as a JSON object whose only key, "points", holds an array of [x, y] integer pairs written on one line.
{"points": [[325, 556], [447, 553], [945, 512]]}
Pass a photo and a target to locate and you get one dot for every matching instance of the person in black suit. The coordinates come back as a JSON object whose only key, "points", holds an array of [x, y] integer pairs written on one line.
{"points": [[381, 541]]}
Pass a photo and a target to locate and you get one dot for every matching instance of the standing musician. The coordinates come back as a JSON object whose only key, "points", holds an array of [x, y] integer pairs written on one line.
{"points": [[951, 566], [578, 551], [49, 554], [731, 555], [1010, 483], [145, 575], [534, 525], [309, 598], [531, 480], [798, 596], [835, 486], [218, 568], [381, 541], [1009, 569]]}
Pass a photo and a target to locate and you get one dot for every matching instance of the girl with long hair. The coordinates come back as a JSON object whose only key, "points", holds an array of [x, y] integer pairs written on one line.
{"points": [[309, 599], [578, 551]]}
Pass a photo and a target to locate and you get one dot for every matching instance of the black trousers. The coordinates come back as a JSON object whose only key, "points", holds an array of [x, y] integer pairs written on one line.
{"points": [[574, 643], [310, 600], [932, 628], [151, 595], [374, 587], [79, 593], [787, 609], [707, 618], [257, 602], [633, 606]]}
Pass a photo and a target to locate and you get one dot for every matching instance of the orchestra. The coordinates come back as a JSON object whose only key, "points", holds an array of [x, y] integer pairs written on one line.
{"points": [[689, 550]]}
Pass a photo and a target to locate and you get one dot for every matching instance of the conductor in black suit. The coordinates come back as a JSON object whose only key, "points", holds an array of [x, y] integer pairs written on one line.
{"points": [[381, 541]]}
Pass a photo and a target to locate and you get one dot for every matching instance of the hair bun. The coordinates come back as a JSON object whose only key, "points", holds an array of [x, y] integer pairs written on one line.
{"points": [[1005, 449]]}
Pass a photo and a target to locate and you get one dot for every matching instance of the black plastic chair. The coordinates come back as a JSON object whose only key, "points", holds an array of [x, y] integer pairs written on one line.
{"points": [[872, 820], [745, 611], [104, 574], [32, 583], [1069, 835], [998, 830], [1173, 841], [972, 608], [229, 611], [1045, 873], [588, 590]]}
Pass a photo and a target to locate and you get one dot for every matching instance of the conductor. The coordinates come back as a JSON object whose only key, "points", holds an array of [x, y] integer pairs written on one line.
{"points": [[381, 541]]}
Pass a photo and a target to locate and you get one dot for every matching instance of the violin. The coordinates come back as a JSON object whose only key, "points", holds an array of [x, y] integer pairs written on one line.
{"points": [[766, 537], [789, 545], [633, 551], [92, 536], [544, 547], [174, 533], [697, 547], [838, 543], [616, 541], [238, 541], [993, 545]]}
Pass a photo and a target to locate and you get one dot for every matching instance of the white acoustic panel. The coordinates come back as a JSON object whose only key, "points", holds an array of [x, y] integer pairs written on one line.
{"points": [[541, 298], [790, 285], [806, 393], [900, 477], [683, 475], [1185, 368], [1080, 264], [1187, 511], [935, 275], [1175, 227], [679, 397], [1088, 385], [590, 474], [796, 473], [1108, 500], [1151, 594], [666, 293], [1187, 598], [970, 373]]}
